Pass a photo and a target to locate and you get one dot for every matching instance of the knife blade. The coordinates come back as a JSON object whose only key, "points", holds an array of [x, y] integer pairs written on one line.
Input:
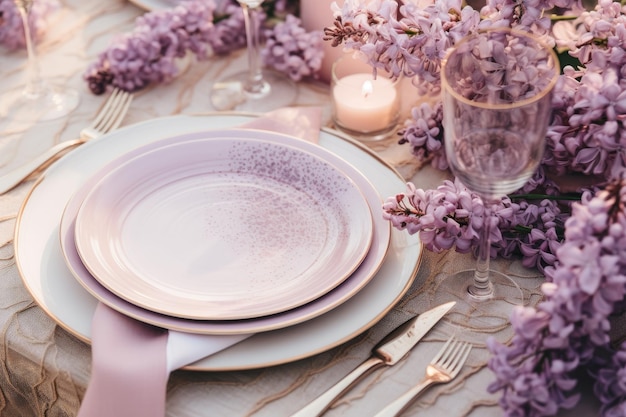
{"points": [[395, 346]]}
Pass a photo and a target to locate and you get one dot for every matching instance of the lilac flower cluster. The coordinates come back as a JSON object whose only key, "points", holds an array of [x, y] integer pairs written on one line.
{"points": [[527, 15], [149, 53], [412, 40], [451, 216], [408, 40], [444, 217], [588, 134], [569, 329], [229, 28], [291, 50], [581, 247], [424, 132], [610, 385], [11, 29]]}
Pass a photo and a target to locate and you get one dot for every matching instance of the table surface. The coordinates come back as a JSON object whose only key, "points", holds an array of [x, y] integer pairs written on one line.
{"points": [[46, 370]]}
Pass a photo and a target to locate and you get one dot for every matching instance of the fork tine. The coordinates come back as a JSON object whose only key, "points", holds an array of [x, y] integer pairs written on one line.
{"points": [[444, 367], [115, 110], [442, 350], [451, 354], [104, 112], [464, 353], [127, 99]]}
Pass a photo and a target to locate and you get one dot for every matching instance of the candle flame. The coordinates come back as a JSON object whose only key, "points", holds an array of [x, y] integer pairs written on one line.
{"points": [[367, 88]]}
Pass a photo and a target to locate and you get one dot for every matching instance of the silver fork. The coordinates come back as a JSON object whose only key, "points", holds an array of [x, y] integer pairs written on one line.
{"points": [[444, 367], [108, 118]]}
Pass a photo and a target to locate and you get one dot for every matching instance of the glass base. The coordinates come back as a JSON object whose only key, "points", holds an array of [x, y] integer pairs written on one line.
{"points": [[375, 136], [51, 103], [231, 93], [489, 314]]}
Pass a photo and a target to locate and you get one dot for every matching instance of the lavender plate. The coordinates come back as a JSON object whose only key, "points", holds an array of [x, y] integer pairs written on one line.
{"points": [[355, 282], [229, 227]]}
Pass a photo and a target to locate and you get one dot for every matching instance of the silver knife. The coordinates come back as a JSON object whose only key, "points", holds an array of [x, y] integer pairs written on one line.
{"points": [[389, 351]]}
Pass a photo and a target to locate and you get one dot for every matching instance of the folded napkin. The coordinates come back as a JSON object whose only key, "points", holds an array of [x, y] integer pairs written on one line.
{"points": [[131, 360], [301, 122]]}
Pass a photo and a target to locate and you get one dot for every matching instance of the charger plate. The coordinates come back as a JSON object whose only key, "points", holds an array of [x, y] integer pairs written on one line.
{"points": [[354, 283], [40, 261], [232, 226]]}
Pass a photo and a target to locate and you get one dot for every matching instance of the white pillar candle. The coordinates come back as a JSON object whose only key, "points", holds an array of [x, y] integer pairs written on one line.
{"points": [[364, 104]]}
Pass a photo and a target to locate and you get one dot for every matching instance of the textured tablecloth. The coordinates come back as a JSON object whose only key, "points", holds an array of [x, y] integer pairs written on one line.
{"points": [[44, 370]]}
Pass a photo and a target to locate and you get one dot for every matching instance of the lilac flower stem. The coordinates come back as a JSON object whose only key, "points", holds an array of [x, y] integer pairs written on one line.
{"points": [[255, 85], [482, 289], [33, 83]]}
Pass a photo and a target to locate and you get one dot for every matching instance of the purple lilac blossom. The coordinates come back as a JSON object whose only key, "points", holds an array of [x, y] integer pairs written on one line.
{"points": [[149, 53], [291, 50], [451, 216], [414, 44], [527, 15], [408, 40], [610, 376], [588, 134], [229, 27], [412, 39], [424, 132], [11, 29], [536, 372]]}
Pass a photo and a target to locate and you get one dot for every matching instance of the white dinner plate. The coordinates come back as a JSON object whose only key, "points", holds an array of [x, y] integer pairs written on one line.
{"points": [[354, 283], [231, 226], [40, 260]]}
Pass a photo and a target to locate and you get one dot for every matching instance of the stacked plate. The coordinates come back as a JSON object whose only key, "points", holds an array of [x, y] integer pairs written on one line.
{"points": [[218, 231]]}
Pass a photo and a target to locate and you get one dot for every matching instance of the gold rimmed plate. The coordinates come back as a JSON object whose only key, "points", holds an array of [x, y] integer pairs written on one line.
{"points": [[40, 261], [231, 226], [354, 283]]}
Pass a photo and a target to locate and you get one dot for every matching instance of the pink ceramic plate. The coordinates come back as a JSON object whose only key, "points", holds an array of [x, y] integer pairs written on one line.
{"points": [[223, 228], [344, 291]]}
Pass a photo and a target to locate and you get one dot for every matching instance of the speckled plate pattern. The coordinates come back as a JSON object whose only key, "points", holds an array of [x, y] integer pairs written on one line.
{"points": [[351, 286], [223, 228]]}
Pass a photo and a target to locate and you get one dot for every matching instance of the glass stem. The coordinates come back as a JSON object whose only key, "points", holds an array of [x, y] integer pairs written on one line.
{"points": [[255, 84], [34, 85], [482, 287]]}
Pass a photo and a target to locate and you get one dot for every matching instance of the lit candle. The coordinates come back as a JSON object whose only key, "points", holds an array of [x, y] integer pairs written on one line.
{"points": [[364, 104]]}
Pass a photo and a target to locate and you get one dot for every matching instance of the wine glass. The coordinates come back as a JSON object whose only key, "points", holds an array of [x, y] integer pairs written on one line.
{"points": [[496, 92], [254, 89], [37, 100]]}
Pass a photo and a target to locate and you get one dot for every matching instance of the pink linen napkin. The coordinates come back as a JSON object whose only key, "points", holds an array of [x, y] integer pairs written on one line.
{"points": [[301, 122], [131, 360]]}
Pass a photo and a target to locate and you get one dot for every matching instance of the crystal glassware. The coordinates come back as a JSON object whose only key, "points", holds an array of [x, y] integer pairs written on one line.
{"points": [[255, 89], [496, 91], [38, 100]]}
